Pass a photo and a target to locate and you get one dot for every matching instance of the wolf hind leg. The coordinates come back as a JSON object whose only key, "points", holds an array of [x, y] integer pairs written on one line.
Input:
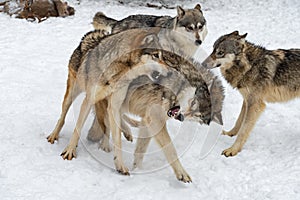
{"points": [[114, 106], [164, 141], [141, 147], [98, 127], [71, 93]]}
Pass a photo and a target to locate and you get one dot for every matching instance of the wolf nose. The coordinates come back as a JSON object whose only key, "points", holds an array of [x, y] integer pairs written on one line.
{"points": [[198, 42], [207, 121]]}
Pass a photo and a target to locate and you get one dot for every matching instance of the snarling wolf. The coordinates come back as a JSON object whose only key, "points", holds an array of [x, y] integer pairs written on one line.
{"points": [[261, 76], [183, 93], [190, 23], [106, 70]]}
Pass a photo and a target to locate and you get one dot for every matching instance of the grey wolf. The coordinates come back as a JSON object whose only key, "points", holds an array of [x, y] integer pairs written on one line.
{"points": [[100, 70], [98, 74], [260, 75], [190, 23], [189, 98]]}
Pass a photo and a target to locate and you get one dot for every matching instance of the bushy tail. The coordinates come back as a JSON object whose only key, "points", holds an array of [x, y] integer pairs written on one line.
{"points": [[132, 122], [101, 22]]}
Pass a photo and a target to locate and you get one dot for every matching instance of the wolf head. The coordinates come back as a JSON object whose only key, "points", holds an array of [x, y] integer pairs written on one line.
{"points": [[191, 23], [195, 105], [226, 49]]}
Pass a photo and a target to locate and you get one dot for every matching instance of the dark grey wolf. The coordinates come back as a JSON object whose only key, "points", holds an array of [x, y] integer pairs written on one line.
{"points": [[190, 23], [259, 74]]}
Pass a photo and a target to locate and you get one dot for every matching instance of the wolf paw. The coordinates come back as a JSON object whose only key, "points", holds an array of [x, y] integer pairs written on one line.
{"points": [[123, 170], [52, 137], [120, 167], [232, 151], [104, 145], [184, 177], [128, 136], [69, 153], [229, 133]]}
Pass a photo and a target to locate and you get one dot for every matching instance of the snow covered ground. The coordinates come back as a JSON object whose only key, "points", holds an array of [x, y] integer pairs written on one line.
{"points": [[33, 72]]}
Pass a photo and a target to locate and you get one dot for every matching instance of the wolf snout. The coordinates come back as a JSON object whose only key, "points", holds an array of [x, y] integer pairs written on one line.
{"points": [[198, 42], [207, 120], [207, 63]]}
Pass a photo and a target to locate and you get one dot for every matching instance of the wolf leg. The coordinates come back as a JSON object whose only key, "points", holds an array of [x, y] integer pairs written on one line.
{"points": [[238, 123], [95, 133], [98, 127], [252, 113], [164, 141], [141, 147], [71, 93], [70, 150], [104, 144], [126, 131], [114, 121]]}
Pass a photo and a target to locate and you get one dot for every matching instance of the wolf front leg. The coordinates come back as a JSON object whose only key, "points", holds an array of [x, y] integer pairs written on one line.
{"points": [[164, 141], [142, 144], [253, 110], [70, 150], [238, 123], [71, 93]]}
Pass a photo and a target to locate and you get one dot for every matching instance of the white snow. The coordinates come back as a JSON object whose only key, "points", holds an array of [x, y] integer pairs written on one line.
{"points": [[33, 72]]}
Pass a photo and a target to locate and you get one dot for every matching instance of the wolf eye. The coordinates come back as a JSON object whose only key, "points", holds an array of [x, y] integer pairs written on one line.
{"points": [[193, 102], [155, 55], [220, 53], [189, 28], [200, 27], [199, 115]]}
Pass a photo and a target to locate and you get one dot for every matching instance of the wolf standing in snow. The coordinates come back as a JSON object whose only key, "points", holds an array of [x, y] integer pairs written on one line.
{"points": [[190, 23], [259, 74], [103, 69]]}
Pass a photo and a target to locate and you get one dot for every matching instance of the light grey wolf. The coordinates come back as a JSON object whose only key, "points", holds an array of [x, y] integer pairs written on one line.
{"points": [[260, 75], [152, 102], [100, 70], [123, 56], [190, 23]]}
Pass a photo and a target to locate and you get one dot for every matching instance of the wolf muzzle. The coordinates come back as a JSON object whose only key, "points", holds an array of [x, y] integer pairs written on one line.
{"points": [[207, 120], [198, 42], [207, 63], [174, 112]]}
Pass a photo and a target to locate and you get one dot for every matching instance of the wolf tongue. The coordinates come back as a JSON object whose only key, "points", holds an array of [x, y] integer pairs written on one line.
{"points": [[173, 111]]}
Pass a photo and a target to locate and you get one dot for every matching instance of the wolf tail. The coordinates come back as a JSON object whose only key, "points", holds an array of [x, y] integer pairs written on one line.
{"points": [[132, 122], [101, 22]]}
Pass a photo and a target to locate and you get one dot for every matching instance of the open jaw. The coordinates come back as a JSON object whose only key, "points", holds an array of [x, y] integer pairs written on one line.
{"points": [[175, 113]]}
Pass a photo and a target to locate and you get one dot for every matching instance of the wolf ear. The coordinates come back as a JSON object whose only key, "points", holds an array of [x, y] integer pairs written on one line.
{"points": [[217, 117], [198, 7], [180, 12], [235, 33], [243, 36]]}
